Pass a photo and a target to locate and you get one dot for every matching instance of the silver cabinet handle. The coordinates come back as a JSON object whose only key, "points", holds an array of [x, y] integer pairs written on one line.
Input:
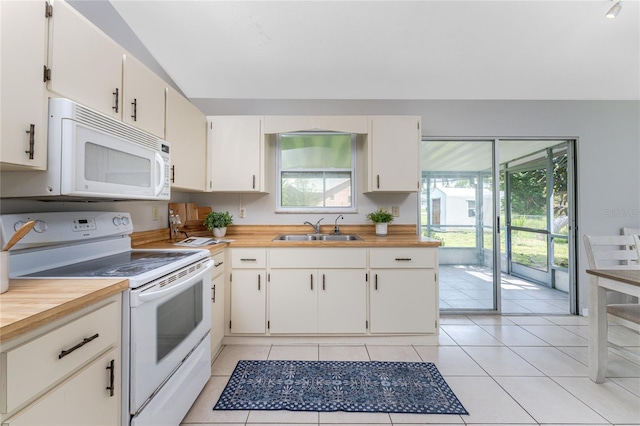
{"points": [[311, 281], [248, 260], [258, 282], [376, 282], [403, 259], [323, 280]]}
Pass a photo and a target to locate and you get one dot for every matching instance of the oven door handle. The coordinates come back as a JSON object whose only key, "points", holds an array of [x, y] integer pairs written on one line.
{"points": [[152, 295]]}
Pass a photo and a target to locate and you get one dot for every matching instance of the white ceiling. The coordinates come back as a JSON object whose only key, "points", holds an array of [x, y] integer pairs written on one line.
{"points": [[428, 49]]}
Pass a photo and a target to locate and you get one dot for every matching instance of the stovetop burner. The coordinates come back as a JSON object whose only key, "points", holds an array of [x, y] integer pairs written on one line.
{"points": [[128, 264]]}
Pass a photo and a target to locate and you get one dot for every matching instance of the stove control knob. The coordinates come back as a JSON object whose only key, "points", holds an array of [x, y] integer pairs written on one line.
{"points": [[18, 225], [125, 220], [117, 221], [40, 226]]}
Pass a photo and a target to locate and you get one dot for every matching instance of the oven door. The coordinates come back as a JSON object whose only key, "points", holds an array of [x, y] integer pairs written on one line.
{"points": [[99, 164], [168, 318]]}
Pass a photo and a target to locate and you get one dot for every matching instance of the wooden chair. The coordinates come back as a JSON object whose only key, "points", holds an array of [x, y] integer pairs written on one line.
{"points": [[617, 252]]}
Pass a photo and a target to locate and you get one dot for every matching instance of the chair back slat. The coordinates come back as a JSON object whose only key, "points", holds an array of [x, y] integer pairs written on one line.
{"points": [[613, 251]]}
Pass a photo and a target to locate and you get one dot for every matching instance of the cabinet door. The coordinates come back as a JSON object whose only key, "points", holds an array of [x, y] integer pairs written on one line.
{"points": [[86, 65], [217, 313], [23, 104], [403, 301], [236, 154], [393, 154], [84, 400], [248, 302], [293, 301], [187, 133], [144, 97], [342, 301]]}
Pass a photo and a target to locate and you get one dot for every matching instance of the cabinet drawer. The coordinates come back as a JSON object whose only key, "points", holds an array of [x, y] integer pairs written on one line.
{"points": [[318, 258], [248, 258], [218, 264], [34, 366], [402, 258]]}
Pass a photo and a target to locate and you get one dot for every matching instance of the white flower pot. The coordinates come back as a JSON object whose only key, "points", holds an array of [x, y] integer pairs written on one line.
{"points": [[219, 232], [381, 229]]}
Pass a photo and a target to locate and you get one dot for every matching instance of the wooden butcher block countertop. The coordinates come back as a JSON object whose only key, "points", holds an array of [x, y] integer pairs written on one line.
{"points": [[263, 235], [29, 304]]}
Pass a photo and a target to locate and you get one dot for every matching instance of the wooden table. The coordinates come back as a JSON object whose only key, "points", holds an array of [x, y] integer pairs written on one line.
{"points": [[622, 280]]}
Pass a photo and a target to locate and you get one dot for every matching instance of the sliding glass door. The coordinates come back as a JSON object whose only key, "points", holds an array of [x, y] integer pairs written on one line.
{"points": [[504, 212], [458, 206]]}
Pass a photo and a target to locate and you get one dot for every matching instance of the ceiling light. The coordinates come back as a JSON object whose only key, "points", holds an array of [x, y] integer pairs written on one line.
{"points": [[615, 9]]}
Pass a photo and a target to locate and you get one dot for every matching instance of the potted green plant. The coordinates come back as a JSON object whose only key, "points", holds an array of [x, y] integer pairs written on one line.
{"points": [[381, 219], [218, 222]]}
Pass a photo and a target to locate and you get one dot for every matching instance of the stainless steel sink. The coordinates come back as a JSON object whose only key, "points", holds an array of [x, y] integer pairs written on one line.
{"points": [[343, 237], [317, 237], [295, 237]]}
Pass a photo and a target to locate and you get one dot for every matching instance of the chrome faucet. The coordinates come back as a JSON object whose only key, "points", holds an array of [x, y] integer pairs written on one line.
{"points": [[336, 230], [315, 227]]}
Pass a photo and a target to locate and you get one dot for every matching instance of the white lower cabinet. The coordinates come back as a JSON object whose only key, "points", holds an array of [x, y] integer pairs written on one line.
{"points": [[65, 373], [342, 301], [326, 291], [293, 301], [305, 301], [83, 400], [217, 302], [402, 301], [248, 302], [403, 290], [248, 292]]}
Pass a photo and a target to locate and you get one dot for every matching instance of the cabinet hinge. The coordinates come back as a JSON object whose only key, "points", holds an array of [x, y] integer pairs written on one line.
{"points": [[46, 75], [48, 10]]}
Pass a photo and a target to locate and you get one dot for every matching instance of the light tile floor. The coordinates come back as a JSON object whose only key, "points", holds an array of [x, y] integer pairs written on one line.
{"points": [[471, 288], [506, 370]]}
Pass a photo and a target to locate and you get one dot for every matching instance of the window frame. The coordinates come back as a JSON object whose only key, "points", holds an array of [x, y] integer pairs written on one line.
{"points": [[315, 209]]}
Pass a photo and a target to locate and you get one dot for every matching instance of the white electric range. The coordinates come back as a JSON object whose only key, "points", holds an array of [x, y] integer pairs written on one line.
{"points": [[166, 310]]}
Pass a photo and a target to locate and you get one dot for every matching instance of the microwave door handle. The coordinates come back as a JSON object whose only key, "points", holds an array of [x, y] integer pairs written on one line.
{"points": [[146, 297], [160, 162]]}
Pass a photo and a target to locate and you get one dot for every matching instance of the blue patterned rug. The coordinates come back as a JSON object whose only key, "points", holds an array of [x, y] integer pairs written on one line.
{"points": [[372, 387]]}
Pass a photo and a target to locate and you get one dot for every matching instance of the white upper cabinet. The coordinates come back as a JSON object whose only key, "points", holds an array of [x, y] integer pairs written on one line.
{"points": [[186, 132], [393, 160], [236, 152], [144, 97], [85, 64], [23, 131], [335, 123]]}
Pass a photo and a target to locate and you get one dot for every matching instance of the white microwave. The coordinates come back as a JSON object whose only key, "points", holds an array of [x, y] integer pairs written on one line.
{"points": [[91, 155]]}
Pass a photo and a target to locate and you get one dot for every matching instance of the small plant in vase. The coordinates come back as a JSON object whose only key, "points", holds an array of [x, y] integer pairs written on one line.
{"points": [[381, 219], [218, 222]]}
